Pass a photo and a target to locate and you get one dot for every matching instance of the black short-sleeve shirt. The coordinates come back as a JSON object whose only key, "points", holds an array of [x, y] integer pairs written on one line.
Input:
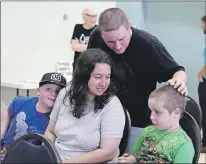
{"points": [[82, 35]]}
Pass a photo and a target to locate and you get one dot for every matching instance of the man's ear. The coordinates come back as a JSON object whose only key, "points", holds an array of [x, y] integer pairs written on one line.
{"points": [[38, 92], [130, 24]]}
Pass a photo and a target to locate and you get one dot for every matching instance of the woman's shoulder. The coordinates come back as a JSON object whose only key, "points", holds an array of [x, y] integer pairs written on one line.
{"points": [[63, 91], [113, 104], [114, 101]]}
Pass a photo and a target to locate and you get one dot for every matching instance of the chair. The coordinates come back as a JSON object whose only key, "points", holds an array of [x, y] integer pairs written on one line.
{"points": [[190, 126], [193, 109], [32, 148], [126, 134]]}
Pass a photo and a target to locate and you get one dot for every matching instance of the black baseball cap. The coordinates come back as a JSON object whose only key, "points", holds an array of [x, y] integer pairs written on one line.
{"points": [[53, 78]]}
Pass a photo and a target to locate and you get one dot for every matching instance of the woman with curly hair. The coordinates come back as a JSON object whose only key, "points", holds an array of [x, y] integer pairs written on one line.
{"points": [[88, 120]]}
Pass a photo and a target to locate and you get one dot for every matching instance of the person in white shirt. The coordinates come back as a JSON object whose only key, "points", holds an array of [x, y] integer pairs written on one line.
{"points": [[87, 121]]}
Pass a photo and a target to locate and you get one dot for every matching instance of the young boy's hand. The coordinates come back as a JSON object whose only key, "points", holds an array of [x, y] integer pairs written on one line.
{"points": [[126, 158]]}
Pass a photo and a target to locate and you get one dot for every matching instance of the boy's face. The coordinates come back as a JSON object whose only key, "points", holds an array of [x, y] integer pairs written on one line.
{"points": [[160, 116], [47, 94]]}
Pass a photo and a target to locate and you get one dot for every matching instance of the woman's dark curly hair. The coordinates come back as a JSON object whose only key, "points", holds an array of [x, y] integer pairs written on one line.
{"points": [[78, 90]]}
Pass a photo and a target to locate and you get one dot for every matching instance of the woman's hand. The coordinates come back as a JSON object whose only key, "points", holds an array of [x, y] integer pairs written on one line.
{"points": [[126, 158]]}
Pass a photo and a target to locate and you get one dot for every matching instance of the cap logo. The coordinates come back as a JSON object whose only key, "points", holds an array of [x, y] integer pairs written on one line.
{"points": [[55, 77]]}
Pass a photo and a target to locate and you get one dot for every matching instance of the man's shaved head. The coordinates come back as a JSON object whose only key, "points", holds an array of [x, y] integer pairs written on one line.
{"points": [[89, 11]]}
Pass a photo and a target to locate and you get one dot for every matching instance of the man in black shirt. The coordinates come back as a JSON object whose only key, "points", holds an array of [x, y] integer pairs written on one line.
{"points": [[82, 32], [141, 61]]}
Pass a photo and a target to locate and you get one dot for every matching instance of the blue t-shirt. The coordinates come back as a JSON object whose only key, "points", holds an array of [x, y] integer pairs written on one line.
{"points": [[25, 119]]}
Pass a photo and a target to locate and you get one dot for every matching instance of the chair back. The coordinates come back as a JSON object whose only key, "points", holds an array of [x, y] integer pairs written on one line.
{"points": [[32, 148], [190, 126], [193, 109], [126, 134]]}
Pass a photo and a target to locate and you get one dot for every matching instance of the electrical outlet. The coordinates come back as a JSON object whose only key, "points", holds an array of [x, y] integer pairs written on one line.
{"points": [[65, 17]]}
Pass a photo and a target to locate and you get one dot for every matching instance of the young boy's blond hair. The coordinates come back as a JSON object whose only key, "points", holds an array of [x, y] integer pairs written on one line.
{"points": [[171, 97]]}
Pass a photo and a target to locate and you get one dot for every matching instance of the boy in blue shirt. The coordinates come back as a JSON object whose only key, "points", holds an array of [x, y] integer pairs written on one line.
{"points": [[30, 114]]}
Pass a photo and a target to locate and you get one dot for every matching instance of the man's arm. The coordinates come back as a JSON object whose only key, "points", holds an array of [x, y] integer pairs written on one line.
{"points": [[166, 66], [76, 46], [5, 121], [168, 69], [181, 74]]}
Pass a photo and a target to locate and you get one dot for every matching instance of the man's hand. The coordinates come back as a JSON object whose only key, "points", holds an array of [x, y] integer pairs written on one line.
{"points": [[76, 41], [201, 74], [179, 84], [77, 46], [200, 78], [127, 159]]}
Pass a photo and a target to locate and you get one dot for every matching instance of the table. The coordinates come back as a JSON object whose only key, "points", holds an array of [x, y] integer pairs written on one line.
{"points": [[24, 85]]}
